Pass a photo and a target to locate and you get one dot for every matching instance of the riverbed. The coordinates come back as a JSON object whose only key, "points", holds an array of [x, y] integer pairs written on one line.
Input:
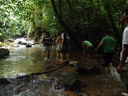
{"points": [[25, 61]]}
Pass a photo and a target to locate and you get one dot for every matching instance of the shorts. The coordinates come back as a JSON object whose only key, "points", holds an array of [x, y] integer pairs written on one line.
{"points": [[108, 56], [47, 48], [58, 47], [64, 50], [88, 49]]}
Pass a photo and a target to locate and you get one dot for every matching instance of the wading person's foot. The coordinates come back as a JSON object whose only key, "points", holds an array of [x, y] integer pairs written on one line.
{"points": [[61, 61], [124, 94], [45, 58]]}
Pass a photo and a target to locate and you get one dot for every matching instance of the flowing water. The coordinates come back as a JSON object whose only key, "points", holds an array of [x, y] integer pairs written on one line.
{"points": [[24, 61]]}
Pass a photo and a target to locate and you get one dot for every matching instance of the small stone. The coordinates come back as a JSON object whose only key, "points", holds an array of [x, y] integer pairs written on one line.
{"points": [[24, 88], [69, 93]]}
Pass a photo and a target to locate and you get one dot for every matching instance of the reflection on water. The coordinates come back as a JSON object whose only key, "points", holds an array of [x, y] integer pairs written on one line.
{"points": [[22, 61]]}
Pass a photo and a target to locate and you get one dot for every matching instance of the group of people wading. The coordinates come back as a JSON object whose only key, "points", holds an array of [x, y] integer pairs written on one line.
{"points": [[108, 43], [61, 46]]}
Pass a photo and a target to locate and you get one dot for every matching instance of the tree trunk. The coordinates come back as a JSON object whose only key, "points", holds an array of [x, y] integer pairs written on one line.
{"points": [[60, 20], [76, 24], [113, 24]]}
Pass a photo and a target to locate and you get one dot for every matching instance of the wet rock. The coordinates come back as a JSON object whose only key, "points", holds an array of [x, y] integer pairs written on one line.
{"points": [[97, 69], [72, 81], [69, 93], [81, 94], [63, 73], [4, 81], [10, 40], [74, 63], [19, 42], [36, 43], [4, 52], [83, 84], [28, 46], [82, 70], [42, 77], [16, 46], [22, 43], [24, 88]]}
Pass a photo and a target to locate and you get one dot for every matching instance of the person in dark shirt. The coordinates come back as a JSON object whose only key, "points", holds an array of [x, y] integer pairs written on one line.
{"points": [[47, 41], [64, 46]]}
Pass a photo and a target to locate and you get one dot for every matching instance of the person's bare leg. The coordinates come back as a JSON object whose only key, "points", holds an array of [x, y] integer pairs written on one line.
{"points": [[57, 54], [67, 57], [61, 56], [88, 55], [48, 54], [106, 69], [111, 65]]}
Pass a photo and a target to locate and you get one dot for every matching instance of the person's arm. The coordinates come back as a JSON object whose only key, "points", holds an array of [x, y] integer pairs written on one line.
{"points": [[57, 40], [83, 48], [99, 45], [124, 55], [62, 43], [62, 40], [124, 51], [83, 45]]}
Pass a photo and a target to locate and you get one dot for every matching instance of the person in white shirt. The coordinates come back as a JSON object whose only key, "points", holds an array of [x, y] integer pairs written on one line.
{"points": [[124, 54]]}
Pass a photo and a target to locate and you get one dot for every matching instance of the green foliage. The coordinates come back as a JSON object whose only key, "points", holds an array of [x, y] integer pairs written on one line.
{"points": [[83, 18]]}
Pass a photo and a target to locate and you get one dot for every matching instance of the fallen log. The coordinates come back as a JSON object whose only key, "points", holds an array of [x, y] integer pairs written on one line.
{"points": [[47, 71]]}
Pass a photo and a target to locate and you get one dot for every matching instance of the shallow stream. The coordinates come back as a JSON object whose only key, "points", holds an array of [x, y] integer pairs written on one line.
{"points": [[24, 61]]}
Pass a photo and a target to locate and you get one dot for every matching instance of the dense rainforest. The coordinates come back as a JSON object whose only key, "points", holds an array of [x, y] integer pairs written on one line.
{"points": [[82, 19]]}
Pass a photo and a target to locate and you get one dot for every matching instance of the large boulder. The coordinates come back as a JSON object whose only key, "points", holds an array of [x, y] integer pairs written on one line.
{"points": [[22, 43], [97, 69], [82, 70], [28, 46], [72, 81], [4, 52], [4, 81]]}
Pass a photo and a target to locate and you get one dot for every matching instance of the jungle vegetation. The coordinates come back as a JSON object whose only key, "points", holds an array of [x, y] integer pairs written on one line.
{"points": [[82, 19]]}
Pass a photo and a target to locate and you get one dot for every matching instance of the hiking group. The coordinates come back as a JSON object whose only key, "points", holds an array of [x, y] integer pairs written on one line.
{"points": [[108, 43], [61, 46]]}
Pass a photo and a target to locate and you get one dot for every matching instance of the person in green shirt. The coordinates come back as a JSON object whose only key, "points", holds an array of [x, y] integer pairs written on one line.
{"points": [[108, 43], [87, 46]]}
